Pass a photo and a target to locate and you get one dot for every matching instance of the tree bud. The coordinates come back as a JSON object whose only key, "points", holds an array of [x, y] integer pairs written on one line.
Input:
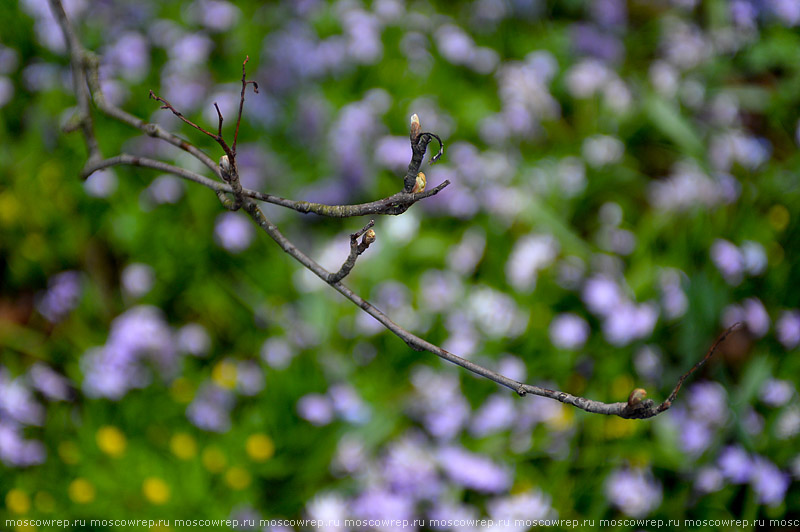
{"points": [[225, 167], [419, 185], [636, 396], [416, 128], [369, 237]]}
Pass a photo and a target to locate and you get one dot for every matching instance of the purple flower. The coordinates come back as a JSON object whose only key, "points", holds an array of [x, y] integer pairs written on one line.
{"points": [[735, 464], [590, 41], [569, 331], [474, 471], [787, 329], [728, 259], [277, 353], [530, 254], [193, 339], [410, 469], [708, 480], [708, 402], [211, 407], [233, 232], [756, 317], [327, 508], [165, 189], [775, 392], [101, 184], [454, 44], [62, 295], [249, 378], [15, 450], [129, 56], [527, 506], [496, 414], [138, 279], [17, 401], [769, 482], [380, 504], [629, 322], [6, 90], [348, 405], [695, 436], [601, 295], [52, 385], [350, 455], [316, 408], [633, 491], [393, 152]]}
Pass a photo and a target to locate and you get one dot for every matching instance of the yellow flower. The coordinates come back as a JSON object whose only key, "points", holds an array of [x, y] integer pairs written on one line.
{"points": [[237, 478], [183, 446], [18, 502], [111, 441], [214, 460], [81, 491], [260, 447], [155, 490], [224, 374]]}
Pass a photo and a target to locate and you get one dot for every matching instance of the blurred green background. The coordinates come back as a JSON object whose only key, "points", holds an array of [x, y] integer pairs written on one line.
{"points": [[624, 187]]}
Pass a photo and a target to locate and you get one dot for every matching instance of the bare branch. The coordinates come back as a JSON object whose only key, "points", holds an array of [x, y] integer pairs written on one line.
{"points": [[217, 137], [356, 249], [241, 100], [635, 408], [74, 48]]}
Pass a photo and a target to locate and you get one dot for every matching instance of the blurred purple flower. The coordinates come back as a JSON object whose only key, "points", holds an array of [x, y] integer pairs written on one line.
{"points": [[788, 423], [474, 471], [348, 405], [788, 11], [708, 402], [496, 414], [243, 515], [15, 450], [735, 464], [393, 152], [51, 384], [62, 295], [695, 436], [191, 50], [193, 339], [327, 508], [165, 189], [101, 184], [386, 508], [633, 491], [648, 362], [531, 253], [233, 232], [216, 15], [496, 313], [569, 331], [601, 295], [6, 90], [755, 316], [454, 44], [769, 482], [17, 401], [316, 408], [277, 353], [630, 322], [787, 329], [708, 480], [527, 506], [444, 512], [138, 279], [9, 60], [673, 299], [590, 41], [211, 407], [409, 468], [129, 56], [776, 392], [609, 13], [249, 378], [728, 259]]}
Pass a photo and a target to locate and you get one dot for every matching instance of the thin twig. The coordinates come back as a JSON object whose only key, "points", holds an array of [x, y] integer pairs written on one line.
{"points": [[356, 249], [241, 100]]}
